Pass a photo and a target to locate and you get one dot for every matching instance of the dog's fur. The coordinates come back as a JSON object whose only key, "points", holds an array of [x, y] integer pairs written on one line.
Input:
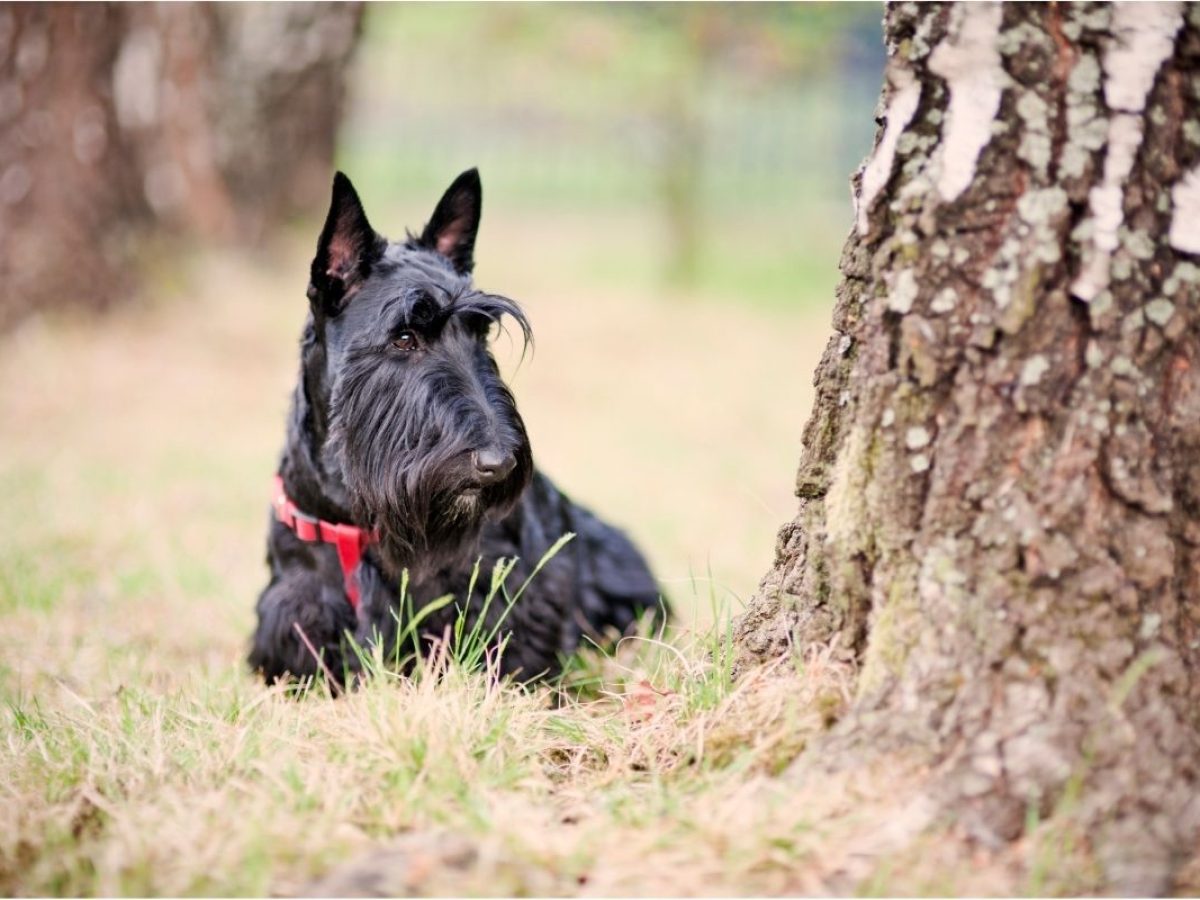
{"points": [[401, 424]]}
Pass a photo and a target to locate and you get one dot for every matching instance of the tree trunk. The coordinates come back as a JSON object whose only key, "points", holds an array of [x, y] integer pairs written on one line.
{"points": [[201, 120], [999, 522]]}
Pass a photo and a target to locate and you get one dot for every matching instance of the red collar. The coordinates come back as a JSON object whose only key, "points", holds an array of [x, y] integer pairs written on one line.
{"points": [[350, 540]]}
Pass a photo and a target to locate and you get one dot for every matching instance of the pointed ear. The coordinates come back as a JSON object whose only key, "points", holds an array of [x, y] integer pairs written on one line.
{"points": [[346, 250], [451, 231]]}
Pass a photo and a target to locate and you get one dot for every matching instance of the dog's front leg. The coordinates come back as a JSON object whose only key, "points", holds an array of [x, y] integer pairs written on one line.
{"points": [[302, 626]]}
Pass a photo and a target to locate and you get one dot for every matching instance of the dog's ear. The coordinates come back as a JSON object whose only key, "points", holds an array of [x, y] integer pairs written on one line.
{"points": [[451, 231], [346, 250]]}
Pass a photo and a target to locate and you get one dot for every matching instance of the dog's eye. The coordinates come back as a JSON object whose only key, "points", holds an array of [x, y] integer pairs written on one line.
{"points": [[406, 341]]}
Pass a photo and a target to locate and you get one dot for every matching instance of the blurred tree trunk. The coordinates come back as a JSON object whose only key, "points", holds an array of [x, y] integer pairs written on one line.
{"points": [[681, 182], [704, 29], [199, 120], [999, 522]]}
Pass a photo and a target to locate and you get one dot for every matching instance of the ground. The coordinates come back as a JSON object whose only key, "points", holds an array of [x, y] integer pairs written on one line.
{"points": [[141, 757]]}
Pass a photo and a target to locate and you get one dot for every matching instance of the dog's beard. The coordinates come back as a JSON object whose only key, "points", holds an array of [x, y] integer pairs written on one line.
{"points": [[428, 531], [467, 506], [422, 503]]}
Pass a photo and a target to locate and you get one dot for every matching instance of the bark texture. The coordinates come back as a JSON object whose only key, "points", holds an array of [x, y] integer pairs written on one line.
{"points": [[207, 120], [999, 521]]}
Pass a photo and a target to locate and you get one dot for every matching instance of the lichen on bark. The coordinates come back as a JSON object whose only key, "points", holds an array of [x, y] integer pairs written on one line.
{"points": [[999, 521]]}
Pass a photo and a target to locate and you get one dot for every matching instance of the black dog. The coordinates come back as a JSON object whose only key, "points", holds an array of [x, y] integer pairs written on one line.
{"points": [[405, 451]]}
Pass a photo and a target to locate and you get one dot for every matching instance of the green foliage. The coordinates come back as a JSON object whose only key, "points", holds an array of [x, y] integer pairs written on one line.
{"points": [[734, 129]]}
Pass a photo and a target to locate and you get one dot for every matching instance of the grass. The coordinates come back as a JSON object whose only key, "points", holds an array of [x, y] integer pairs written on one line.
{"points": [[218, 786]]}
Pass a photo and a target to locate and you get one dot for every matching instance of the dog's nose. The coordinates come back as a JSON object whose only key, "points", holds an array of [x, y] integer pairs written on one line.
{"points": [[492, 465]]}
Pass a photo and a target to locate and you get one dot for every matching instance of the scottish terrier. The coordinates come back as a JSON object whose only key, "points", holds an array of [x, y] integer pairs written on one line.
{"points": [[405, 453]]}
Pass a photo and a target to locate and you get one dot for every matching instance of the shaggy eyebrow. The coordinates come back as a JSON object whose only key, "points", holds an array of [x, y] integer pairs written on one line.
{"points": [[491, 306], [398, 310]]}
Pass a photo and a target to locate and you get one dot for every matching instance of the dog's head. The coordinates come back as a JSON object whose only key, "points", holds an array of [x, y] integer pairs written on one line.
{"points": [[422, 429]]}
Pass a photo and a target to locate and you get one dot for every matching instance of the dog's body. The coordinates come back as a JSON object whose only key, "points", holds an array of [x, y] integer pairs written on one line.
{"points": [[401, 425]]}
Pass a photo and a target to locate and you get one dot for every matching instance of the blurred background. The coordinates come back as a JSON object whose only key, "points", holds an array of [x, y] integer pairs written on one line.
{"points": [[666, 192]]}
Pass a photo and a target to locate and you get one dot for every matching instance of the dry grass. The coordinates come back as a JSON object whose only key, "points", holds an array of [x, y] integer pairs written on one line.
{"points": [[140, 758]]}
